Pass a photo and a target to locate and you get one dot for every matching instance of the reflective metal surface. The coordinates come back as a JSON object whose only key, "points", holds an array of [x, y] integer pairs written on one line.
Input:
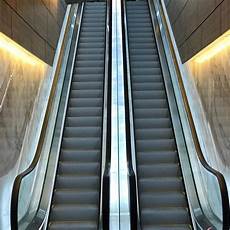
{"points": [[131, 156], [119, 196]]}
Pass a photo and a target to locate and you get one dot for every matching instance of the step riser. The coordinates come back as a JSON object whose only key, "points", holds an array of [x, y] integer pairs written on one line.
{"points": [[75, 203], [161, 191]]}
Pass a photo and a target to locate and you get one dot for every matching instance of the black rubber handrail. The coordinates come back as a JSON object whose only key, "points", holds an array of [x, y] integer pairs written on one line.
{"points": [[219, 176], [106, 175], [34, 163]]}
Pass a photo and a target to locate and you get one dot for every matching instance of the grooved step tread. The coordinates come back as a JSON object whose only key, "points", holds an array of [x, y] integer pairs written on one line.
{"points": [[168, 215], [79, 155], [167, 199], [165, 227], [69, 196], [73, 225], [72, 212], [162, 198], [75, 203]]}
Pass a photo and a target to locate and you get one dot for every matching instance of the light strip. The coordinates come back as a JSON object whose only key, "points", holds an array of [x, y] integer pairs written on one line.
{"points": [[17, 51], [214, 48]]}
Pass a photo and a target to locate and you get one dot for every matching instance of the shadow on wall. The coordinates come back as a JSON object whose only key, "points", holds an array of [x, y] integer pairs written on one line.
{"points": [[20, 82]]}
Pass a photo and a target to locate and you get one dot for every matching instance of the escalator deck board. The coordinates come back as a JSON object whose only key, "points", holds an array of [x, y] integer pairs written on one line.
{"points": [[75, 203], [163, 201]]}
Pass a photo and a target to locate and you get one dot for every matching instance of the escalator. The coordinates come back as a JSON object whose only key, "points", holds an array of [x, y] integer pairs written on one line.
{"points": [[162, 197], [76, 196], [75, 191]]}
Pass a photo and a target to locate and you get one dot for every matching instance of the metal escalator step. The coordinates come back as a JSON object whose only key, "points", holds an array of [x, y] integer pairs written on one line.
{"points": [[150, 103], [87, 85], [98, 45], [159, 170], [139, 29], [167, 199], [86, 93], [138, 7], [159, 133], [82, 131], [94, 19], [146, 64], [90, 57], [81, 143], [143, 51], [91, 16], [91, 80], [140, 4], [157, 157], [156, 144], [165, 215], [167, 227], [87, 22], [71, 212], [68, 196], [137, 16], [149, 123], [146, 71], [155, 184], [146, 86], [162, 198], [92, 12], [88, 70], [85, 102], [147, 78], [140, 35], [87, 63], [151, 112], [73, 225], [76, 182], [91, 50], [138, 11], [93, 28], [95, 5], [83, 121], [142, 40], [75, 203], [92, 168], [144, 45], [134, 9], [90, 40], [144, 57], [80, 155], [84, 111]]}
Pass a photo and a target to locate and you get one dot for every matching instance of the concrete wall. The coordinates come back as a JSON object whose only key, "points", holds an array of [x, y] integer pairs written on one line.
{"points": [[34, 24], [196, 23], [20, 104]]}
